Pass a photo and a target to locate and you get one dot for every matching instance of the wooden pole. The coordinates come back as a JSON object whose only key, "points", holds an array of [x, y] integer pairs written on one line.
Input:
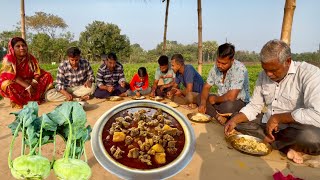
{"points": [[164, 48], [199, 37], [23, 26], [289, 8]]}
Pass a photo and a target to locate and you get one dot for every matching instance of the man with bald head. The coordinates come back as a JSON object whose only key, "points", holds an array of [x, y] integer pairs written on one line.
{"points": [[290, 91]]}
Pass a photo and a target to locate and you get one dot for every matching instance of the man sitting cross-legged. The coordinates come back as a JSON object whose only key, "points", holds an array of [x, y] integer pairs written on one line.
{"points": [[165, 74], [231, 78], [189, 78], [290, 91], [74, 79], [111, 79]]}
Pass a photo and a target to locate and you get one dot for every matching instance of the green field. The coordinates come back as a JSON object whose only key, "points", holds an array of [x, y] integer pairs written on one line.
{"points": [[131, 69]]}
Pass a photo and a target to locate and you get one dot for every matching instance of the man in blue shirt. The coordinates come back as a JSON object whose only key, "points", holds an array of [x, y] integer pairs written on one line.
{"points": [[189, 78], [231, 78]]}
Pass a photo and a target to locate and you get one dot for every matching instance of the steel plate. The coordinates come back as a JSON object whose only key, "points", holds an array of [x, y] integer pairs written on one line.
{"points": [[115, 98], [156, 98], [232, 138], [138, 98], [208, 118]]}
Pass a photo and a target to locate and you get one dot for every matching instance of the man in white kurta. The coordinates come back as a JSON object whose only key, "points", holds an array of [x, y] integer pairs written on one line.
{"points": [[291, 92]]}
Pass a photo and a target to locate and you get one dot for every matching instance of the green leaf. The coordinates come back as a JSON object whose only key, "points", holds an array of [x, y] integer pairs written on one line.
{"points": [[86, 136], [81, 131], [32, 138], [13, 126], [34, 106], [78, 120], [48, 124], [61, 114], [28, 115], [45, 140]]}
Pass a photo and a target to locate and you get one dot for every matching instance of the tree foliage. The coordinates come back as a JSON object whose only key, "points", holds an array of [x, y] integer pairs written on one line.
{"points": [[45, 23], [40, 46], [247, 56], [137, 55], [209, 49], [100, 38], [47, 49]]}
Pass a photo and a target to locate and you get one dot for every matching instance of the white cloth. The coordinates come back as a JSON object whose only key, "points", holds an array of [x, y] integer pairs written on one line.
{"points": [[77, 91], [298, 93]]}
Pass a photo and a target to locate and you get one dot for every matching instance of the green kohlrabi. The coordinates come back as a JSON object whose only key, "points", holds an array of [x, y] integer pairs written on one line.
{"points": [[72, 119], [29, 165], [67, 120]]}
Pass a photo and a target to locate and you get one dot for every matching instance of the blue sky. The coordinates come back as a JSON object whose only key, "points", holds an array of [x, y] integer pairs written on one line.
{"points": [[248, 24]]}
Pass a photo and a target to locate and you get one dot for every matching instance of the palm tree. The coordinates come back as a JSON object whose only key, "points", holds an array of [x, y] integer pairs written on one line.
{"points": [[287, 20], [165, 28], [23, 27], [199, 37]]}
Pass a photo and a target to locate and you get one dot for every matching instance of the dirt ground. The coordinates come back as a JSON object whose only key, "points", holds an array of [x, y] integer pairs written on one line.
{"points": [[213, 159]]}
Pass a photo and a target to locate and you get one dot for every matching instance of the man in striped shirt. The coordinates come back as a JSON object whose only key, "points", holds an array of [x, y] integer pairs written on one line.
{"points": [[111, 79], [74, 79]]}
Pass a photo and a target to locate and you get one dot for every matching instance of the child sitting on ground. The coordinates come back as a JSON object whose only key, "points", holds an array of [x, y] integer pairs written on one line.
{"points": [[139, 84]]}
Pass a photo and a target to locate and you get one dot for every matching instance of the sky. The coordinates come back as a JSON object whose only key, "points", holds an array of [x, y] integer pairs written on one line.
{"points": [[248, 24]]}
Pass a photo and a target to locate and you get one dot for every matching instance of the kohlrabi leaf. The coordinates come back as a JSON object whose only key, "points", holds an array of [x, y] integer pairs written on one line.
{"points": [[48, 124], [34, 106], [81, 131], [79, 119], [13, 126], [32, 137], [45, 140], [61, 114], [86, 136]]}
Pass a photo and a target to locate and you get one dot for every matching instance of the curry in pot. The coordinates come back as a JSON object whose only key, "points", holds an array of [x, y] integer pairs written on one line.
{"points": [[143, 138]]}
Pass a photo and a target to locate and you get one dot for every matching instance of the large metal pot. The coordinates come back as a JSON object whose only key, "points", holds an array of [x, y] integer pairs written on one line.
{"points": [[129, 173]]}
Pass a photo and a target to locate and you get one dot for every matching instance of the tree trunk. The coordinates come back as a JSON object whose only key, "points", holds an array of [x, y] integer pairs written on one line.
{"points": [[165, 29], [287, 21], [23, 26], [213, 56], [199, 37]]}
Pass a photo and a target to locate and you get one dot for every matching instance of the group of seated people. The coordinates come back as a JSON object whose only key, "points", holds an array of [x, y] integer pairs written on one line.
{"points": [[288, 90]]}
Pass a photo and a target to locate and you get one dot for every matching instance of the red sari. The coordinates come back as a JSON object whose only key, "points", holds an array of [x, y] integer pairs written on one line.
{"points": [[28, 69]]}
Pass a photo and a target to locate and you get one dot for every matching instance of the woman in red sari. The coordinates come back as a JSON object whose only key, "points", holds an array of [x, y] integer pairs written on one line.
{"points": [[21, 79]]}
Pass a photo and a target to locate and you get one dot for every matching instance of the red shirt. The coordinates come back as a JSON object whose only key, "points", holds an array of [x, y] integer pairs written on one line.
{"points": [[137, 84]]}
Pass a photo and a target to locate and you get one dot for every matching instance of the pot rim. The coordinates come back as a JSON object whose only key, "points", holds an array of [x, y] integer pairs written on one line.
{"points": [[111, 165]]}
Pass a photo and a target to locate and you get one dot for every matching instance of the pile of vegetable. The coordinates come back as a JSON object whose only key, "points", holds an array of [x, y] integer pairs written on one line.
{"points": [[67, 120]]}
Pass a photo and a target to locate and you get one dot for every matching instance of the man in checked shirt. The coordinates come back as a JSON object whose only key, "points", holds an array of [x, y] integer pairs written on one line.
{"points": [[75, 79], [291, 92], [110, 78]]}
